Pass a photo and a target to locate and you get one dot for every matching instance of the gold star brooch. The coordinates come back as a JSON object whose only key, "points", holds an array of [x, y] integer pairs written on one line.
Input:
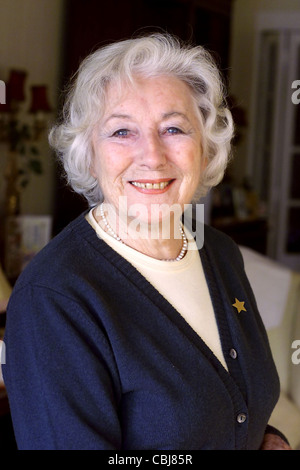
{"points": [[239, 305]]}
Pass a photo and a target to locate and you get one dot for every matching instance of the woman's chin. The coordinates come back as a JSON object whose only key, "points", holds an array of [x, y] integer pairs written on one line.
{"points": [[154, 222]]}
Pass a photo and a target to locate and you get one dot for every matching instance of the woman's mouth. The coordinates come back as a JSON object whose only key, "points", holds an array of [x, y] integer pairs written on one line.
{"points": [[152, 186]]}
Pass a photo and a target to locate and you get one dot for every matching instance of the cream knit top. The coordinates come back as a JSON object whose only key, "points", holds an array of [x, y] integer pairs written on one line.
{"points": [[182, 283]]}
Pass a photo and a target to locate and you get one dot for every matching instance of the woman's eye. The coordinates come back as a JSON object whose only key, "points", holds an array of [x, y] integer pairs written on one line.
{"points": [[173, 130], [121, 133]]}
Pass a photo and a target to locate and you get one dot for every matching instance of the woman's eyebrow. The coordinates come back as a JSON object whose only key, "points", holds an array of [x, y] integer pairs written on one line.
{"points": [[175, 113], [164, 116], [117, 116]]}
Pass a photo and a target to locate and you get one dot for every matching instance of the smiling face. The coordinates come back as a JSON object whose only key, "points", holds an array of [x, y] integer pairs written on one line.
{"points": [[147, 145]]}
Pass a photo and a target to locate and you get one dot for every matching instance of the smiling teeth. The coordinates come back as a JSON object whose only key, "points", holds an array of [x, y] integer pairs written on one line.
{"points": [[161, 185]]}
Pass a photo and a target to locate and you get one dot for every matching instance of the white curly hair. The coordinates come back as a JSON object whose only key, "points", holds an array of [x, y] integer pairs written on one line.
{"points": [[154, 55]]}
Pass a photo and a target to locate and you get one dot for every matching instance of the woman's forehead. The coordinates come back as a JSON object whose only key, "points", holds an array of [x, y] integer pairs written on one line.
{"points": [[165, 91]]}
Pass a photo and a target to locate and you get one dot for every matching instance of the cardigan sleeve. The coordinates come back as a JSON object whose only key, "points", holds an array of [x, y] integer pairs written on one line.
{"points": [[60, 374]]}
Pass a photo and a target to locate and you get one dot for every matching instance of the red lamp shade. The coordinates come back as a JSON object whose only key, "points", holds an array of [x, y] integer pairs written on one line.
{"points": [[39, 101], [16, 85]]}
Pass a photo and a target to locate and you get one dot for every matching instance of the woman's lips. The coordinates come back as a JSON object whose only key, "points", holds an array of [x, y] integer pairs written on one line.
{"points": [[152, 186]]}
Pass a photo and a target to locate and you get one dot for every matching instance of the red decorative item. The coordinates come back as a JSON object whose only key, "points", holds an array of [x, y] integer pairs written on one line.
{"points": [[16, 85], [39, 101]]}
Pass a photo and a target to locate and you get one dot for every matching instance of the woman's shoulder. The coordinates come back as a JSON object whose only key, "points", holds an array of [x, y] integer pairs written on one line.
{"points": [[213, 234], [221, 246]]}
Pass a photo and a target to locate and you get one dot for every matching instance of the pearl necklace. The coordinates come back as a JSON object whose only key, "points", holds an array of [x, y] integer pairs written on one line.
{"points": [[116, 237]]}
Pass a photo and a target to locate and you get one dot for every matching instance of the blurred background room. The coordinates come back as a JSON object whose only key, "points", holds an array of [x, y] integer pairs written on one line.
{"points": [[257, 46]]}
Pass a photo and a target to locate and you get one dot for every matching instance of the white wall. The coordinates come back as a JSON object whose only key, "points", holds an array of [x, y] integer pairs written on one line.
{"points": [[241, 60], [31, 39]]}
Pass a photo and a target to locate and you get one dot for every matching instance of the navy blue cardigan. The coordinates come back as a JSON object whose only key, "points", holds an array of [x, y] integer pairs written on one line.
{"points": [[96, 358]]}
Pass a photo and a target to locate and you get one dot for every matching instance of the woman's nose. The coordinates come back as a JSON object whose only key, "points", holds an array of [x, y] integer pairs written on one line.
{"points": [[152, 152]]}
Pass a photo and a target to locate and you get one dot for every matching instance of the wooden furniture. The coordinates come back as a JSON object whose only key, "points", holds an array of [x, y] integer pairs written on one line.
{"points": [[250, 232], [7, 439], [4, 406]]}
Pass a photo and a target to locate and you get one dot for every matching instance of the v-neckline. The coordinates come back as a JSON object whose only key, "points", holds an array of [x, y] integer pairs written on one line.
{"points": [[232, 376]]}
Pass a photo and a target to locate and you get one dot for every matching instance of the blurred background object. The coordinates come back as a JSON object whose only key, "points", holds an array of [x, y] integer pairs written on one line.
{"points": [[5, 291], [20, 158]]}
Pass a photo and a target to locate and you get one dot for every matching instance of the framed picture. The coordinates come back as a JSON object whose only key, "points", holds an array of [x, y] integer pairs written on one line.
{"points": [[25, 236]]}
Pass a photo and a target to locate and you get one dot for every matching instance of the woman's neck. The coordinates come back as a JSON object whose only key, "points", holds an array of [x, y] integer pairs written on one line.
{"points": [[164, 240]]}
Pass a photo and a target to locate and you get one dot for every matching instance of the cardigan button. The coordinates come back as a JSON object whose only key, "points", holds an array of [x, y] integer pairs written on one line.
{"points": [[241, 418], [233, 353]]}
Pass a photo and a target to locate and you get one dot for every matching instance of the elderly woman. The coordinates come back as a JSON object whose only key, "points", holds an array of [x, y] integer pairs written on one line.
{"points": [[125, 332]]}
